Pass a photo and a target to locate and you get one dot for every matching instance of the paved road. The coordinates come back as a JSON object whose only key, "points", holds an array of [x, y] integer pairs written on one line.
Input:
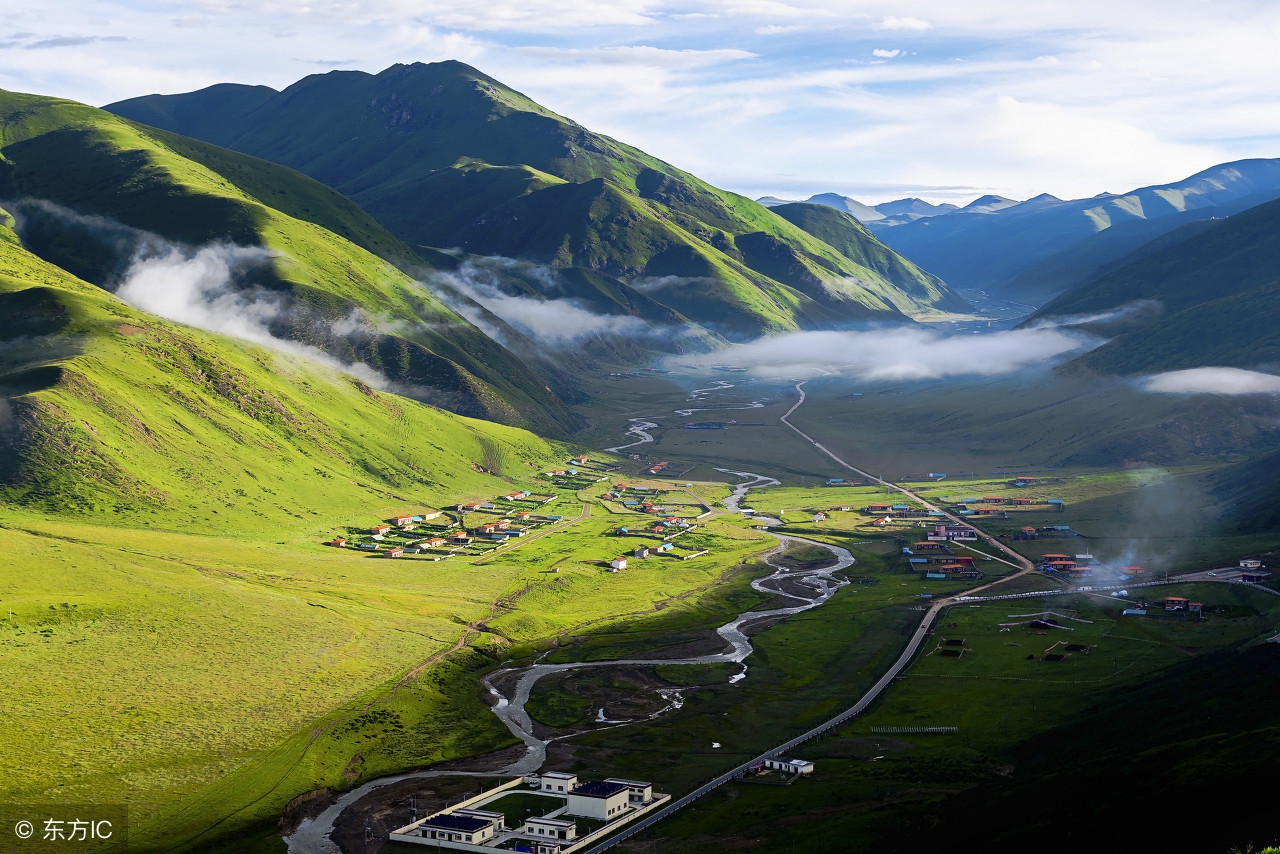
{"points": [[1018, 560], [918, 637], [921, 632]]}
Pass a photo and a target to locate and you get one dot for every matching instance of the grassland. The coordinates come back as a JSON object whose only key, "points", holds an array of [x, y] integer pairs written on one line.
{"points": [[237, 671], [883, 788]]}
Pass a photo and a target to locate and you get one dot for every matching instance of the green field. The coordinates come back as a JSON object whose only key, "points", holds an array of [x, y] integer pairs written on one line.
{"points": [[287, 657], [881, 787]]}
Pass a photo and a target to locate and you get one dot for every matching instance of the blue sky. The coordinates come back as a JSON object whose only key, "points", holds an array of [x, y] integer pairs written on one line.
{"points": [[940, 99]]}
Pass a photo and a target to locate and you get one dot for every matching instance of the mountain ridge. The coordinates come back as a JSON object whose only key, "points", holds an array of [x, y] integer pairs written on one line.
{"points": [[992, 250], [444, 155]]}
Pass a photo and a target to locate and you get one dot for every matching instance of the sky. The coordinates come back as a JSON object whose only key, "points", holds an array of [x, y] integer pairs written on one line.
{"points": [[937, 99]]}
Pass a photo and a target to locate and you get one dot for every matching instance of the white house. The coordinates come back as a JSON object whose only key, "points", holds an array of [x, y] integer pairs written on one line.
{"points": [[558, 782], [618, 563], [549, 828], [599, 799], [459, 828], [819, 517], [641, 552], [789, 766], [639, 793]]}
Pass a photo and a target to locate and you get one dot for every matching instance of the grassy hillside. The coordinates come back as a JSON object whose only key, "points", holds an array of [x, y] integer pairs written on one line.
{"points": [[1188, 737], [116, 413], [444, 155], [331, 260], [1220, 276], [851, 239], [164, 497]]}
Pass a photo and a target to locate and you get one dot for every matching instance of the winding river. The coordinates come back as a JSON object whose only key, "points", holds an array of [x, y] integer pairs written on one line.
{"points": [[312, 836]]}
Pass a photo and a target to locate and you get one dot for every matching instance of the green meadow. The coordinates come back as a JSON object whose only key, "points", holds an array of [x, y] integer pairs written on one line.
{"points": [[881, 783], [206, 680]]}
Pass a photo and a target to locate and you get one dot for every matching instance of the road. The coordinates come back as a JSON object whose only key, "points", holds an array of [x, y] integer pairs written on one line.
{"points": [[922, 631], [913, 646], [1023, 565]]}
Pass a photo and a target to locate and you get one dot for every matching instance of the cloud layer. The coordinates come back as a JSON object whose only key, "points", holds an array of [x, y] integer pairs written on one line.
{"points": [[198, 289], [901, 353], [553, 322], [1212, 381]]}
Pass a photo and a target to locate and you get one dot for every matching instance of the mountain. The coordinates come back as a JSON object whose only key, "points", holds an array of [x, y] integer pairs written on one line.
{"points": [[1207, 294], [123, 417], [852, 239], [990, 204], [300, 264], [847, 204], [1099, 252], [445, 156], [996, 250], [908, 210]]}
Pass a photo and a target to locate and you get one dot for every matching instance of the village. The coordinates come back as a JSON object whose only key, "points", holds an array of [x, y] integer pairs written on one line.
{"points": [[476, 529]]}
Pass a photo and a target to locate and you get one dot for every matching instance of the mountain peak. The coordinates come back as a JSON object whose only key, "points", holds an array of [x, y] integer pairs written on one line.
{"points": [[990, 200]]}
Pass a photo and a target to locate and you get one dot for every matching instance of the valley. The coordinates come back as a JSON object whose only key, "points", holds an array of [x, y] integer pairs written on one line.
{"points": [[384, 439]]}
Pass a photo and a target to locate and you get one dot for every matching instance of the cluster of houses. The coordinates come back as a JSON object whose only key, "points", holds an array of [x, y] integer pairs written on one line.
{"points": [[898, 511], [1076, 568], [580, 472], [404, 534], [933, 559], [1001, 506], [668, 526], [469, 826]]}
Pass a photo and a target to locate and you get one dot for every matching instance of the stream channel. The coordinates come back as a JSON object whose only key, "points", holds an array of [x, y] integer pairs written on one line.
{"points": [[312, 835]]}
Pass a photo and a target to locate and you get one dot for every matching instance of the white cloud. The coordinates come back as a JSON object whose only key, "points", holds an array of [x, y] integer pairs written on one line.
{"points": [[198, 289], [776, 30], [885, 54], [1069, 98], [901, 353], [892, 23], [638, 55], [1212, 381], [552, 322]]}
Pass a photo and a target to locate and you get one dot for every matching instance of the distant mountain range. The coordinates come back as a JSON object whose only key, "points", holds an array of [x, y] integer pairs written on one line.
{"points": [[897, 212], [1033, 250], [445, 156]]}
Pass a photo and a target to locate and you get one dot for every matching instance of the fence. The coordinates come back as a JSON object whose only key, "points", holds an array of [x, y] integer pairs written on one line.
{"points": [[910, 730]]}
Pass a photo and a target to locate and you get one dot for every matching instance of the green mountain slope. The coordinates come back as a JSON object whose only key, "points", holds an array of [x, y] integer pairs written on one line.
{"points": [[853, 240], [1222, 276], [331, 263], [115, 413], [443, 155]]}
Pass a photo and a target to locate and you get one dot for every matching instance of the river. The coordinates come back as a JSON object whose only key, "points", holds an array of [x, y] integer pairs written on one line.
{"points": [[312, 836]]}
